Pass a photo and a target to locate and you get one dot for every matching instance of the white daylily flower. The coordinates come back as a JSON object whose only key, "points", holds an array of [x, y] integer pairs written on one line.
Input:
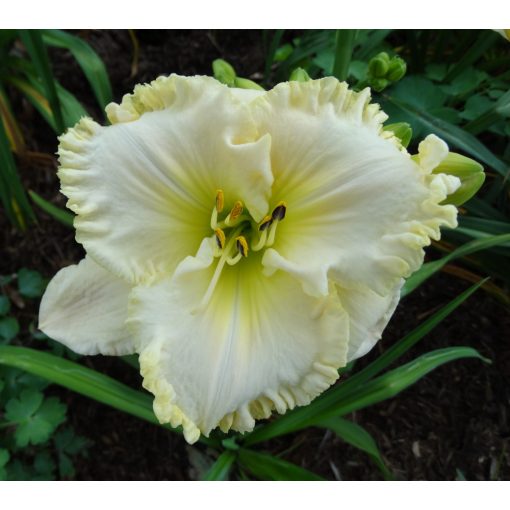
{"points": [[246, 244]]}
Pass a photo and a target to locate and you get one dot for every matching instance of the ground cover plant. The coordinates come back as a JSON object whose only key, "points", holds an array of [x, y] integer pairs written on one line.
{"points": [[462, 100]]}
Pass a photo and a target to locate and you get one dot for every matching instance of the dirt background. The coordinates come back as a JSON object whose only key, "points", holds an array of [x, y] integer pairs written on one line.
{"points": [[451, 424]]}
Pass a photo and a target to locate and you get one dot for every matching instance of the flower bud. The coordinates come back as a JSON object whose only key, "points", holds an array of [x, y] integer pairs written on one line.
{"points": [[469, 172], [378, 65], [378, 84], [397, 69], [244, 83], [283, 52], [402, 130], [299, 74], [224, 72]]}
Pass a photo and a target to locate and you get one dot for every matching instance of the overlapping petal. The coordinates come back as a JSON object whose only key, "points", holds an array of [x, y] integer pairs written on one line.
{"points": [[143, 189], [260, 343], [85, 308], [359, 209]]}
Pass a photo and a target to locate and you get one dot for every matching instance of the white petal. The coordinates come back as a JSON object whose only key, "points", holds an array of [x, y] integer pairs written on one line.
{"points": [[260, 344], [359, 209], [369, 313], [144, 188], [85, 308]]}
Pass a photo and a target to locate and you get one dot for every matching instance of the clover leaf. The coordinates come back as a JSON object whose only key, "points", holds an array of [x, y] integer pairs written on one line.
{"points": [[31, 284], [35, 417]]}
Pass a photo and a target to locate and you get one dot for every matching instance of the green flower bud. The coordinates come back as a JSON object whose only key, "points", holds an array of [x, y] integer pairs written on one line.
{"points": [[283, 52], [469, 172], [299, 74], [224, 72], [402, 130], [378, 84], [244, 83], [397, 69], [379, 65]]}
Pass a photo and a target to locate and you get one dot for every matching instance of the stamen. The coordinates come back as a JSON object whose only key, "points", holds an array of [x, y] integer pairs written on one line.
{"points": [[265, 223], [242, 245], [225, 256], [279, 211], [234, 214], [220, 200], [271, 235], [220, 238]]}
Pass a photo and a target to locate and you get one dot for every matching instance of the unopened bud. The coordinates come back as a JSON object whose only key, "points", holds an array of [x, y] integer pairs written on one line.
{"points": [[469, 172], [224, 72], [402, 130], [397, 69], [299, 74], [378, 66], [244, 83], [378, 84], [283, 52]]}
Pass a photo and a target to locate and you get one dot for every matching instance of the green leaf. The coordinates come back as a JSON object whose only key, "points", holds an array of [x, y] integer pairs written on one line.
{"points": [[392, 383], [4, 459], [430, 268], [89, 61], [344, 46], [36, 419], [31, 284], [34, 44], [21, 409], [9, 328], [85, 381], [358, 437], [44, 466], [221, 467], [5, 305], [12, 193], [64, 217], [271, 52], [304, 416], [268, 467]]}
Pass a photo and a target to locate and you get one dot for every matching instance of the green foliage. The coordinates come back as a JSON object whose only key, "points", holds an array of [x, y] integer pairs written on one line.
{"points": [[33, 443], [31, 75]]}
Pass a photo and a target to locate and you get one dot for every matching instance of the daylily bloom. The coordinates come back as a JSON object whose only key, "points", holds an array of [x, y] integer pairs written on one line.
{"points": [[246, 244]]}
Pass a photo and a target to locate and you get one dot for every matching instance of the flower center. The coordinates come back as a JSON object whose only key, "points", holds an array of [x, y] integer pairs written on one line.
{"points": [[237, 234]]}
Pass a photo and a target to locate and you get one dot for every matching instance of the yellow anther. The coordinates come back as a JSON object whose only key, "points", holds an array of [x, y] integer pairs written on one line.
{"points": [[220, 238], [236, 211], [242, 245], [220, 200], [265, 223], [279, 211]]}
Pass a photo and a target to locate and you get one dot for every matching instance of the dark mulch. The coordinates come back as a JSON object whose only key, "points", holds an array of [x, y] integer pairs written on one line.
{"points": [[455, 419]]}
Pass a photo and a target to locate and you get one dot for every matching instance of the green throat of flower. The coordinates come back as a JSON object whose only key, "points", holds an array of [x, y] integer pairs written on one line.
{"points": [[237, 234]]}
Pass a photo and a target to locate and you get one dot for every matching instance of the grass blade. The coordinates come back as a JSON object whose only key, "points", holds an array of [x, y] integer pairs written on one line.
{"points": [[268, 467], [358, 437], [34, 44], [60, 215], [430, 268], [221, 468], [303, 416], [12, 194], [275, 41], [12, 130], [344, 46], [85, 381], [454, 135], [89, 61], [392, 383]]}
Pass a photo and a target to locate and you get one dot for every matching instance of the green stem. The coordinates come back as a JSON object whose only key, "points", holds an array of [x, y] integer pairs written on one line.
{"points": [[344, 46]]}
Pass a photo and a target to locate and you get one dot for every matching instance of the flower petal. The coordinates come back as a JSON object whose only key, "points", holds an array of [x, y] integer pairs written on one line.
{"points": [[359, 209], [144, 188], [369, 313], [260, 344], [85, 308]]}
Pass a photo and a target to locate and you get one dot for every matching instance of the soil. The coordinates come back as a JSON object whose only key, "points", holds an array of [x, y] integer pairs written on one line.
{"points": [[452, 424]]}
